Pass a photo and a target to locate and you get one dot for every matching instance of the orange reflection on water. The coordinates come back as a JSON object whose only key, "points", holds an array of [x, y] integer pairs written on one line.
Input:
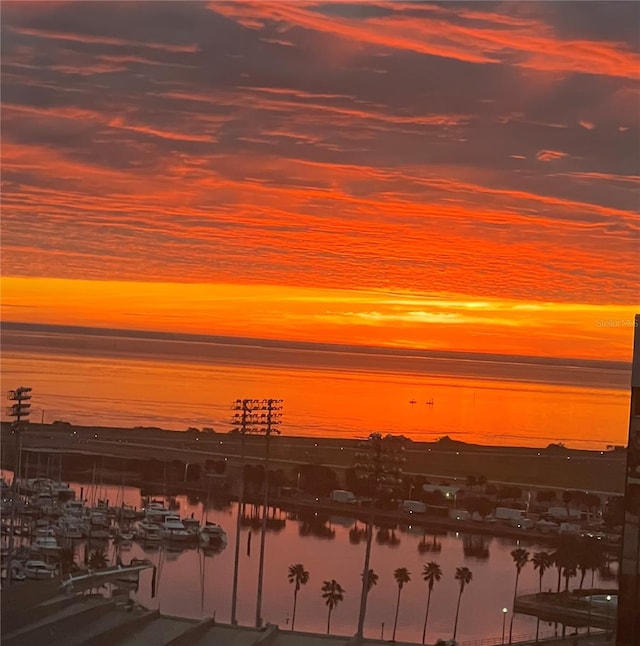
{"points": [[319, 401]]}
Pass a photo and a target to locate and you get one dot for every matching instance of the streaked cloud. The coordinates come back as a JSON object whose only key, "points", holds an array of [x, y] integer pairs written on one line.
{"points": [[448, 151]]}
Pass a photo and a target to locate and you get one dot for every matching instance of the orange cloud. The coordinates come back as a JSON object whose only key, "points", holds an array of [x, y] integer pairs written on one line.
{"points": [[102, 40], [487, 42], [373, 317], [281, 166], [550, 155]]}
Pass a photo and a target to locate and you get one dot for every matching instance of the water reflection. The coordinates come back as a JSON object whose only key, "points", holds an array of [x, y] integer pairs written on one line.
{"points": [[433, 546], [387, 536], [192, 582], [476, 546], [315, 524]]}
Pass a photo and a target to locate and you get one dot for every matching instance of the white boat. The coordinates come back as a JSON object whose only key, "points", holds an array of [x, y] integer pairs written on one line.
{"points": [[212, 535], [17, 572], [69, 527], [148, 532], [74, 508], [156, 512], [192, 525], [43, 501], [38, 570], [46, 485], [44, 542], [173, 529], [97, 526]]}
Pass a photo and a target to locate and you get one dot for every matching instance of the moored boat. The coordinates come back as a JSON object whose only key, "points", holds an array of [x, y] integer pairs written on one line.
{"points": [[173, 529], [147, 532], [38, 570], [212, 535]]}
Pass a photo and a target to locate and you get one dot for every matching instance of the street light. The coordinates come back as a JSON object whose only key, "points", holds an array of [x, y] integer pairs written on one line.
{"points": [[606, 632], [270, 419], [504, 620], [253, 416]]}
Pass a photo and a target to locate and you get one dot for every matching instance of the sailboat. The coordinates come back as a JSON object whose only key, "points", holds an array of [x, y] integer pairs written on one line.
{"points": [[211, 535]]}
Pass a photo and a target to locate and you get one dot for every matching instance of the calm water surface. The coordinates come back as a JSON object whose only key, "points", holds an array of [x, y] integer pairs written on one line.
{"points": [[482, 402], [191, 584]]}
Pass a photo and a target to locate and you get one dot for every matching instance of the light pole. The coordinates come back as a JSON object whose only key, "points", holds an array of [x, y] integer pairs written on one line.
{"points": [[378, 464], [19, 410], [270, 418], [504, 621], [249, 417], [606, 632]]}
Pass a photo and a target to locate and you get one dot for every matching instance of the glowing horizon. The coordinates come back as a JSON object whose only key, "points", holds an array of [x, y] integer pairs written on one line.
{"points": [[423, 175], [375, 317]]}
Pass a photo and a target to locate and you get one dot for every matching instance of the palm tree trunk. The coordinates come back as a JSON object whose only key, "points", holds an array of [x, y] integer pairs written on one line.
{"points": [[295, 601], [365, 578], [513, 606], [455, 625], [426, 616], [395, 621], [329, 621]]}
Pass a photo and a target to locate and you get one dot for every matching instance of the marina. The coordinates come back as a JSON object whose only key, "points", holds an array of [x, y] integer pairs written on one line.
{"points": [[186, 540]]}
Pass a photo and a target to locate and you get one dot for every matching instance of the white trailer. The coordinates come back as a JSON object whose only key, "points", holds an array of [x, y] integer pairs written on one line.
{"points": [[413, 506], [343, 496], [507, 513]]}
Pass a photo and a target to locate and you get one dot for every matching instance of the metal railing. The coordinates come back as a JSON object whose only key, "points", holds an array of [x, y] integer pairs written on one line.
{"points": [[526, 639]]}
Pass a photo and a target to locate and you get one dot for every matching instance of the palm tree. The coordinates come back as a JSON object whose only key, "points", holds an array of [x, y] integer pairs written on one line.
{"points": [[542, 561], [372, 580], [333, 594], [402, 576], [463, 576], [564, 555], [520, 558], [97, 560], [431, 573], [569, 572], [299, 576], [590, 557]]}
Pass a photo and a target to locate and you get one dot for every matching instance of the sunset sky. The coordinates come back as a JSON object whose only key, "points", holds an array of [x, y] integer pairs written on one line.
{"points": [[455, 176]]}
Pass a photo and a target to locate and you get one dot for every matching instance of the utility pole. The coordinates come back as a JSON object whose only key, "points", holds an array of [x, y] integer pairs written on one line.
{"points": [[378, 463], [19, 410]]}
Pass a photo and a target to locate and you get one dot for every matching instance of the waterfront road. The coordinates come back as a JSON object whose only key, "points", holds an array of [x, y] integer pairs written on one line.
{"points": [[596, 471]]}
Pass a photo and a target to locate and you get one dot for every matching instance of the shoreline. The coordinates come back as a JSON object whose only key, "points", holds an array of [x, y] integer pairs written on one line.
{"points": [[551, 467]]}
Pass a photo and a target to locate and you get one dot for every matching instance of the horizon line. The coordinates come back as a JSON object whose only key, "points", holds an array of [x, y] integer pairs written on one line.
{"points": [[313, 346]]}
